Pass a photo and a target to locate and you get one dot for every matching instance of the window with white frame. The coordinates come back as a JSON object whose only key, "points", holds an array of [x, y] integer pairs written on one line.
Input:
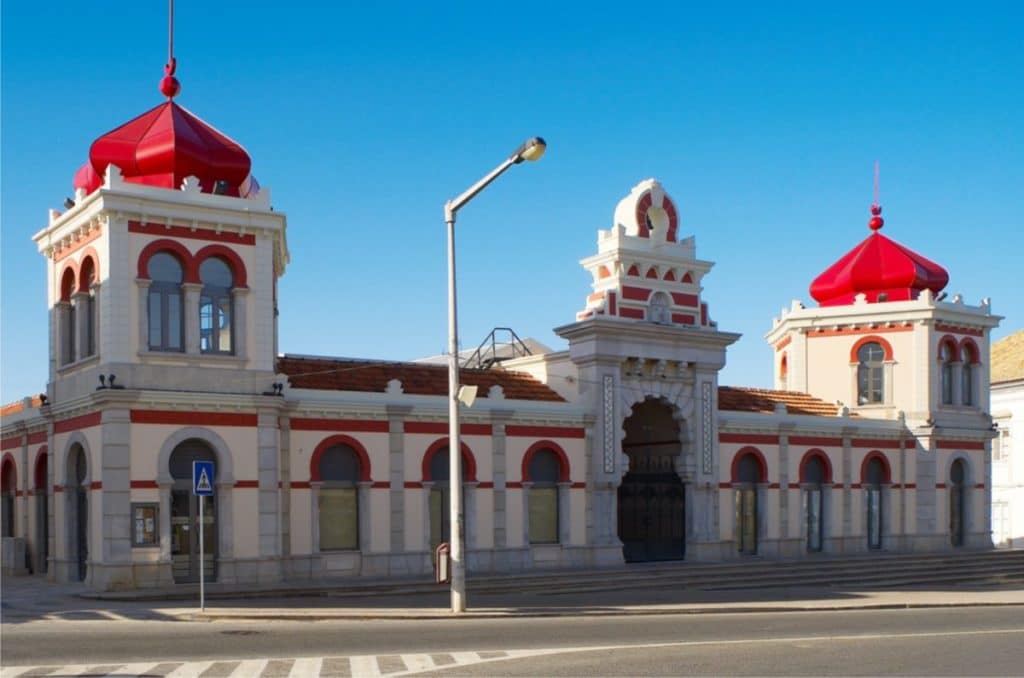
{"points": [[166, 329], [338, 501], [870, 379], [543, 497], [215, 307], [946, 360]]}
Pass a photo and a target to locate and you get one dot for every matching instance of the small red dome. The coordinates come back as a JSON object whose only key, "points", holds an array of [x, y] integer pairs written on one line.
{"points": [[87, 179], [165, 145], [878, 266]]}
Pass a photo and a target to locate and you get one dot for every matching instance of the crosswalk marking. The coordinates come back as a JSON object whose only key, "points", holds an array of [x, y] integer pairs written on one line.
{"points": [[248, 668], [365, 665], [189, 670], [132, 670], [306, 666]]}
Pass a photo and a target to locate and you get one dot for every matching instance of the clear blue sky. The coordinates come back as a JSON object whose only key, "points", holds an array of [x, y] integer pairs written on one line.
{"points": [[762, 122]]}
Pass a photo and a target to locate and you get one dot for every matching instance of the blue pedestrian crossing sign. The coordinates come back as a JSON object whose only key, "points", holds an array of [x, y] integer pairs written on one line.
{"points": [[202, 478]]}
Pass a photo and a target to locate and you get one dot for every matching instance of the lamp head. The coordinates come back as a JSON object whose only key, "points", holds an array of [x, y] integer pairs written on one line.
{"points": [[532, 149]]}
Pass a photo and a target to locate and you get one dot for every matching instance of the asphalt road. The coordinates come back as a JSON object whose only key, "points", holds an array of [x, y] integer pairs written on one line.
{"points": [[956, 641]]}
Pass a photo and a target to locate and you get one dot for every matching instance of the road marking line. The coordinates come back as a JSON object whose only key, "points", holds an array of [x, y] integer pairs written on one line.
{"points": [[249, 668], [306, 666], [364, 665], [189, 670], [133, 669], [418, 662], [12, 671]]}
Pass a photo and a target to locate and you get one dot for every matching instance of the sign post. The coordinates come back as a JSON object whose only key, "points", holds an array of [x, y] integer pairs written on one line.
{"points": [[202, 486]]}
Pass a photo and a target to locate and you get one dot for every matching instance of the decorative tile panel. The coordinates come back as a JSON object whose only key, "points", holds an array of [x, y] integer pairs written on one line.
{"points": [[705, 414], [609, 423]]}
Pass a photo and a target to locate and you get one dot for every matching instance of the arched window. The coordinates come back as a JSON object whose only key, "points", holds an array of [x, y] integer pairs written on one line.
{"points": [[87, 306], [544, 472], [166, 330], [749, 471], [946, 360], [957, 492], [784, 372], [8, 490], [338, 502], [874, 476], [813, 477], [440, 496], [969, 356], [216, 314], [870, 386], [77, 509], [659, 311]]}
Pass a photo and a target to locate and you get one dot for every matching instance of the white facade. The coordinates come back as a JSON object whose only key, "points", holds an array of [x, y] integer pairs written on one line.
{"points": [[624, 446], [1008, 445]]}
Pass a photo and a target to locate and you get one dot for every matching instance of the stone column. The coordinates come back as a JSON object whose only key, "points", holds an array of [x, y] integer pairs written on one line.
{"points": [[396, 476], [143, 286], [846, 471], [784, 526], [365, 517], [225, 520], [564, 514], [115, 553], [284, 464], [51, 504], [469, 509], [314, 512], [166, 574], [526, 513], [428, 487], [239, 297], [190, 316], [62, 315], [499, 419], [925, 495], [269, 451], [80, 300]]}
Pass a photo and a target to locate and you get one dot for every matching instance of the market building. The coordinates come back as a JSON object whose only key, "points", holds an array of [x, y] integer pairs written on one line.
{"points": [[162, 287]]}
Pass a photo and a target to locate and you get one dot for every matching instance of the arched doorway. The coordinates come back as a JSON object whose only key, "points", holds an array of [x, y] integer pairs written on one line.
{"points": [[42, 513], [652, 497], [185, 515], [875, 475], [8, 491], [813, 475], [78, 510], [957, 517]]}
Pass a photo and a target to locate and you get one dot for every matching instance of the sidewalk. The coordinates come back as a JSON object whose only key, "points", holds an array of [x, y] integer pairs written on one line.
{"points": [[32, 598], [434, 606]]}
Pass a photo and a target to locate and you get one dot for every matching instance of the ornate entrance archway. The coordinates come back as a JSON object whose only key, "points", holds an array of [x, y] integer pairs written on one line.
{"points": [[652, 497]]}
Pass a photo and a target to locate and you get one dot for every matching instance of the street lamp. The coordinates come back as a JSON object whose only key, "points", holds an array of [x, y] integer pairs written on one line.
{"points": [[531, 150]]}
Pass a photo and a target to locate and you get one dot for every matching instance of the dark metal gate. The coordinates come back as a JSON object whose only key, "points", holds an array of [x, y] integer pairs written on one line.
{"points": [[652, 517]]}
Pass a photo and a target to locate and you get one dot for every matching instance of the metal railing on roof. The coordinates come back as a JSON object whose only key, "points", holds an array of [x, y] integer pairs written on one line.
{"points": [[501, 344]]}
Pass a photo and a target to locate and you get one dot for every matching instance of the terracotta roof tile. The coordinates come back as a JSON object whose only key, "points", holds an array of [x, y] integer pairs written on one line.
{"points": [[741, 399], [345, 374], [1008, 358], [19, 406]]}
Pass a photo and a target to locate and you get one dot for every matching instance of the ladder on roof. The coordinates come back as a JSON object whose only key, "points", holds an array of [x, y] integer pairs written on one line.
{"points": [[501, 344]]}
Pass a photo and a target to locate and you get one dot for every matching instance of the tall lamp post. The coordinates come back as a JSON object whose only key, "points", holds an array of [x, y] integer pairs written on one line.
{"points": [[532, 149]]}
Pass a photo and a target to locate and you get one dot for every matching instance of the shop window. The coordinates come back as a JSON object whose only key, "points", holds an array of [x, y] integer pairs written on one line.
{"points": [[957, 503], [874, 477], [338, 501], [145, 525], [544, 471], [749, 472], [813, 478]]}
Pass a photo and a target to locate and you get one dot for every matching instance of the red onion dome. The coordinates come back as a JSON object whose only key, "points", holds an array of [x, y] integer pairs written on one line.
{"points": [[165, 145], [881, 269]]}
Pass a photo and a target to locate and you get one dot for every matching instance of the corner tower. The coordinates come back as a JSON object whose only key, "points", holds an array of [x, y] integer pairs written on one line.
{"points": [[167, 257]]}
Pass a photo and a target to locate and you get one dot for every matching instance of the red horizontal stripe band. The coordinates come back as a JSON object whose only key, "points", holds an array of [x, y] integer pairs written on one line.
{"points": [[413, 485], [144, 485], [485, 485], [513, 430], [748, 438], [879, 444], [381, 484], [514, 485], [194, 234], [815, 442], [36, 438], [300, 485], [441, 428], [247, 484], [180, 418], [10, 443], [76, 423]]}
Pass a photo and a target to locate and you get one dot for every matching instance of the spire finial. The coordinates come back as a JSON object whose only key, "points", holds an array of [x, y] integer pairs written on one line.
{"points": [[876, 220], [169, 85]]}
